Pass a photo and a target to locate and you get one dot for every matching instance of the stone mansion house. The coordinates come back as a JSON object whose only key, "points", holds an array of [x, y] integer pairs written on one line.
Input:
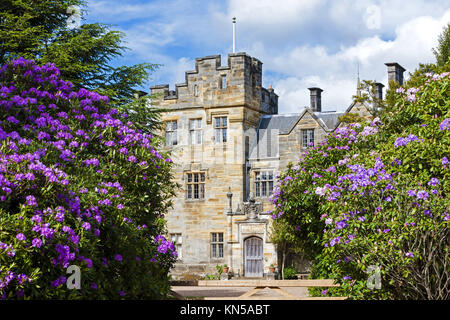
{"points": [[228, 143]]}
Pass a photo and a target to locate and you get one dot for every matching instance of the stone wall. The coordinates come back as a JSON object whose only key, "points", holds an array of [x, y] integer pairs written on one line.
{"points": [[243, 101], [240, 97]]}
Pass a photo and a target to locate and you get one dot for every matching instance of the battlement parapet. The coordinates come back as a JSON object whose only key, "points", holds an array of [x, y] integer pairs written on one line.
{"points": [[212, 84]]}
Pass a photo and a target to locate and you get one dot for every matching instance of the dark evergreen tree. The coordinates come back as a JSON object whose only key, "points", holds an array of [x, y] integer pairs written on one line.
{"points": [[48, 31]]}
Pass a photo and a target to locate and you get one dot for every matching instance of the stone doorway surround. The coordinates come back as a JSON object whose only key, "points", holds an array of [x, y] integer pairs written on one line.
{"points": [[252, 227]]}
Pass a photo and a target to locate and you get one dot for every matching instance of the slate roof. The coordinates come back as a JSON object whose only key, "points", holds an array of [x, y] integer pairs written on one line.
{"points": [[329, 118], [282, 122], [265, 144]]}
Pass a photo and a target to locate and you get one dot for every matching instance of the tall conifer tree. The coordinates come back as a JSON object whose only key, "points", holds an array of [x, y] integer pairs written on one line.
{"points": [[47, 31]]}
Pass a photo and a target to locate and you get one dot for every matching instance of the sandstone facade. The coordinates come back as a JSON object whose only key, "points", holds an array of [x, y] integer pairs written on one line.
{"points": [[228, 143]]}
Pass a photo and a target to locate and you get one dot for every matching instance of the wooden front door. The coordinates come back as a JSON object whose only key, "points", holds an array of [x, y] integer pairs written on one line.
{"points": [[253, 257]]}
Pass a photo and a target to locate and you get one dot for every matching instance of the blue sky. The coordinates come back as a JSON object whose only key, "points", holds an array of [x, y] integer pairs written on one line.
{"points": [[300, 43]]}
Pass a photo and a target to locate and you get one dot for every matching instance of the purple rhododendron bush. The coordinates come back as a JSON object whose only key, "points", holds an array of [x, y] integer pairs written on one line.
{"points": [[371, 201], [79, 185]]}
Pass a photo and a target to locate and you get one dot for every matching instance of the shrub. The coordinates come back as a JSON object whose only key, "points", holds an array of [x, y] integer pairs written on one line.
{"points": [[79, 185], [290, 273], [378, 193]]}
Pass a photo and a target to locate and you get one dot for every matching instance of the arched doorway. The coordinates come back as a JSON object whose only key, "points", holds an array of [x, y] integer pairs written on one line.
{"points": [[253, 257]]}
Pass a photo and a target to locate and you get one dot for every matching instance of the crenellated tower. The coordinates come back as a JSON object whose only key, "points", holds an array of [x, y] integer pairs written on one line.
{"points": [[212, 85], [211, 120]]}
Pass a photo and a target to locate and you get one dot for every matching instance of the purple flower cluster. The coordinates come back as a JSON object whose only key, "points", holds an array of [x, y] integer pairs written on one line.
{"points": [[69, 132], [165, 246], [21, 279], [445, 124], [65, 256], [56, 283], [400, 141]]}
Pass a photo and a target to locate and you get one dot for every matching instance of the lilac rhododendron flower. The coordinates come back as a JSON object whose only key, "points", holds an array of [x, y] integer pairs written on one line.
{"points": [[444, 161], [428, 213], [423, 195], [433, 182], [31, 200], [400, 142], [36, 242], [56, 283], [445, 124], [20, 237]]}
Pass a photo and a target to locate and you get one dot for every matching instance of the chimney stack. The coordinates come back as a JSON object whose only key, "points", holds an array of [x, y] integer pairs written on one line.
{"points": [[395, 72], [316, 99], [379, 90]]}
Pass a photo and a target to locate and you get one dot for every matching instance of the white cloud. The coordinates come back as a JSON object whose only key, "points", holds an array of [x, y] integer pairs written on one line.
{"points": [[301, 43], [336, 72]]}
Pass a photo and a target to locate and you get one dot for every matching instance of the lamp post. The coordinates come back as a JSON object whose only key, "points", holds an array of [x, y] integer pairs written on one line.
{"points": [[230, 196], [230, 229]]}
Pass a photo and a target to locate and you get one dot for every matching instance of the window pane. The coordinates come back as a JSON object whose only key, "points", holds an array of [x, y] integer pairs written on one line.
{"points": [[174, 138], [305, 138], [195, 191], [264, 189], [217, 123], [257, 176], [189, 194], [168, 140], [179, 251], [224, 122], [202, 191], [224, 135], [220, 237], [195, 177], [270, 175], [218, 135], [199, 137], [199, 123], [192, 134], [220, 251], [257, 192], [202, 176], [270, 187], [224, 82], [263, 176], [213, 237], [214, 251], [189, 176]]}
